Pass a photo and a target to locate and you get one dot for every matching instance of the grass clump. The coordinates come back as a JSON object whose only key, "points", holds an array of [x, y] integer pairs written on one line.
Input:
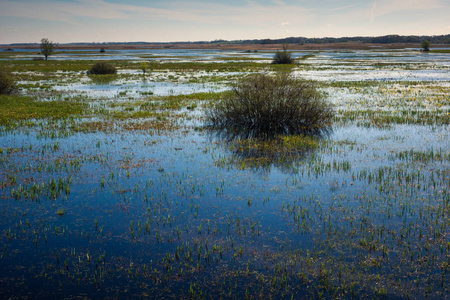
{"points": [[283, 57], [102, 68], [266, 106], [7, 84]]}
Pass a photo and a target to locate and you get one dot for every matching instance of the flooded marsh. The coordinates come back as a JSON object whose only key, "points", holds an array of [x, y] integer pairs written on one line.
{"points": [[114, 188]]}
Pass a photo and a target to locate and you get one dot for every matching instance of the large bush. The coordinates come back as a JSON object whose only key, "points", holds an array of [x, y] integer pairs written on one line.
{"points": [[102, 68], [283, 57], [7, 83], [265, 106]]}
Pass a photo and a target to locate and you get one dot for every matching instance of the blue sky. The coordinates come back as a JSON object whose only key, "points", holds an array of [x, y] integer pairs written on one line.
{"points": [[65, 21]]}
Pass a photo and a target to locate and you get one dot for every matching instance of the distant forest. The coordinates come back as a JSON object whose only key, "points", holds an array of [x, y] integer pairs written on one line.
{"points": [[387, 39]]}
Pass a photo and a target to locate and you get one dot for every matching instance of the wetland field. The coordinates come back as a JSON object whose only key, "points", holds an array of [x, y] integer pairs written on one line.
{"points": [[113, 187]]}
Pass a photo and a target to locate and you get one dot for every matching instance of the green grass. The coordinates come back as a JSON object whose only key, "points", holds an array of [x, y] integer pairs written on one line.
{"points": [[54, 66], [18, 108], [440, 51], [84, 65]]}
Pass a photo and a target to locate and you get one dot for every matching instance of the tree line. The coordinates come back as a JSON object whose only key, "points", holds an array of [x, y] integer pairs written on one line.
{"points": [[386, 39]]}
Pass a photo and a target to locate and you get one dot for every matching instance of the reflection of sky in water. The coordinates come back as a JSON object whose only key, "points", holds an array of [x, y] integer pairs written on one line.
{"points": [[397, 138], [399, 56], [382, 75], [136, 89]]}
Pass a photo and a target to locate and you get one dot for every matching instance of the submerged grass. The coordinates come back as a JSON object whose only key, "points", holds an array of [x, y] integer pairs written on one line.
{"points": [[369, 118]]}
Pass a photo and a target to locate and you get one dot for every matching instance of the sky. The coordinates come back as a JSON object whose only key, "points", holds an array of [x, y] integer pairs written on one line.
{"points": [[66, 21]]}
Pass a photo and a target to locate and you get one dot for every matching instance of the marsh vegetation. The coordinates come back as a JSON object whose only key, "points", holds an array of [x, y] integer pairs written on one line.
{"points": [[117, 189]]}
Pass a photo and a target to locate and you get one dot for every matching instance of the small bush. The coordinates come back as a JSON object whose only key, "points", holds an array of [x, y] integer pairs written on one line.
{"points": [[426, 45], [283, 57], [102, 68], [266, 106], [7, 84]]}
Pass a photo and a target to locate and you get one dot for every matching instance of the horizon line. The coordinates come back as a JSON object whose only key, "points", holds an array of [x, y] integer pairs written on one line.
{"points": [[225, 41]]}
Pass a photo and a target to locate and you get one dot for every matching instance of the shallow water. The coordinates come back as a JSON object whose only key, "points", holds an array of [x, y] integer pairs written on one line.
{"points": [[180, 213], [136, 89]]}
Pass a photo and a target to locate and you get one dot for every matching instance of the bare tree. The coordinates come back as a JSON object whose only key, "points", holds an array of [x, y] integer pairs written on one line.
{"points": [[46, 47]]}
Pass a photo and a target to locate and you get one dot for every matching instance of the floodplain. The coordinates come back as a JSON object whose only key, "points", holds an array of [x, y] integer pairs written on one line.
{"points": [[112, 186]]}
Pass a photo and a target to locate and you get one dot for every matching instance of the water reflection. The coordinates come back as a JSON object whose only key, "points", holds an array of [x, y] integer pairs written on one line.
{"points": [[285, 153], [103, 79]]}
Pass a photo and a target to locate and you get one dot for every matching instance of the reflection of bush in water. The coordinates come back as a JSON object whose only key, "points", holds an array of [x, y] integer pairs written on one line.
{"points": [[103, 79], [265, 106], [282, 152]]}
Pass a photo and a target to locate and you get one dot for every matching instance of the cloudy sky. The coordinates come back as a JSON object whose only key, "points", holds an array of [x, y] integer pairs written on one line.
{"points": [[65, 21]]}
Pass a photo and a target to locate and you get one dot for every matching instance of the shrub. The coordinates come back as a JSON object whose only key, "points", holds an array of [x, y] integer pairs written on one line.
{"points": [[283, 57], [144, 67], [7, 83], [102, 68], [266, 106], [426, 45]]}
